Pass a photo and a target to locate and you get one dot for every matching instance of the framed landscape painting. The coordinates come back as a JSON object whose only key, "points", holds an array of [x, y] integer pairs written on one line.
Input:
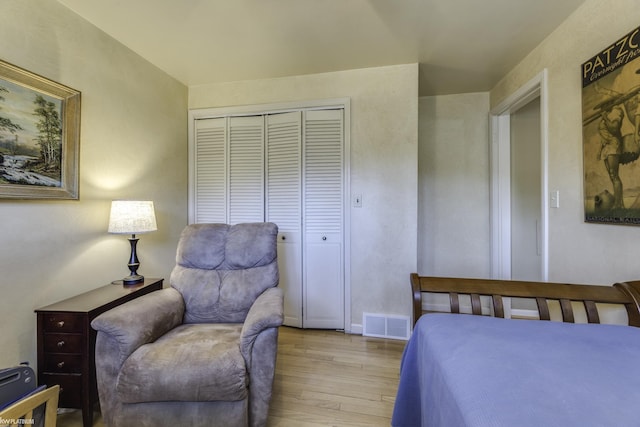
{"points": [[39, 136]]}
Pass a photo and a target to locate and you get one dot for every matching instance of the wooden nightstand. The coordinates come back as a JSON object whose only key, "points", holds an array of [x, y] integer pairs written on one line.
{"points": [[66, 342]]}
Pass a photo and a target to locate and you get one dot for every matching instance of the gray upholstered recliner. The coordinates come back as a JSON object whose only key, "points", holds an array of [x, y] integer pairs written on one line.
{"points": [[201, 352]]}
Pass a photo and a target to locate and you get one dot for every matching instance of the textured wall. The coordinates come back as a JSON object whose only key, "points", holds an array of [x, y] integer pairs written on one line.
{"points": [[384, 149], [453, 214], [578, 252], [133, 145]]}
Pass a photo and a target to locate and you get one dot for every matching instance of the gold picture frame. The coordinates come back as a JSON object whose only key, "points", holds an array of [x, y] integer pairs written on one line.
{"points": [[39, 136]]}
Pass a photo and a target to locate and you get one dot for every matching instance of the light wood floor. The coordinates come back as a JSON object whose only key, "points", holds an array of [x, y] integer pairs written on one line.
{"points": [[328, 378], [325, 378]]}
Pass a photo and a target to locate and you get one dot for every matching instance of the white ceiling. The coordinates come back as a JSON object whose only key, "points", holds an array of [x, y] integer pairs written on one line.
{"points": [[461, 45]]}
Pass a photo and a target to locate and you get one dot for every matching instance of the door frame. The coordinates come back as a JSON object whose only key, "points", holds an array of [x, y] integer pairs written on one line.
{"points": [[500, 172]]}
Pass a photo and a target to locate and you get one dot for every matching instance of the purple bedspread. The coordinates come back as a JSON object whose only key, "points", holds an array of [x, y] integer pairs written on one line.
{"points": [[477, 371]]}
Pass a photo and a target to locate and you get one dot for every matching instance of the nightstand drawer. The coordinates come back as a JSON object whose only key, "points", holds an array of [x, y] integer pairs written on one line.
{"points": [[63, 322], [56, 363], [70, 388], [63, 343]]}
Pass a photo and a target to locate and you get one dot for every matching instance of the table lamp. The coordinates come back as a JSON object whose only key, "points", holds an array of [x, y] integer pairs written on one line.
{"points": [[132, 217]]}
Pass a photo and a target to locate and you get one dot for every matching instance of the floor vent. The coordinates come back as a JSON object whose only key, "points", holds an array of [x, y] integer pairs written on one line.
{"points": [[385, 326]]}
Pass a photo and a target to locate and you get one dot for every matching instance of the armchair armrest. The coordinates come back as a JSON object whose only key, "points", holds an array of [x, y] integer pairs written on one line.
{"points": [[266, 312], [258, 345], [142, 320]]}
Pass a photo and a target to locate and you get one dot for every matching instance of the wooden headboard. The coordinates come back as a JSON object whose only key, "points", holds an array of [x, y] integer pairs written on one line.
{"points": [[626, 293]]}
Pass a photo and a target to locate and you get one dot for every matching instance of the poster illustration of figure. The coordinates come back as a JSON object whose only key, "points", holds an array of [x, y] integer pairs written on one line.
{"points": [[611, 133]]}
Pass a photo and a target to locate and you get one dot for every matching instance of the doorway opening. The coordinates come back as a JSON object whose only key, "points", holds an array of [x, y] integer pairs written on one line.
{"points": [[519, 184]]}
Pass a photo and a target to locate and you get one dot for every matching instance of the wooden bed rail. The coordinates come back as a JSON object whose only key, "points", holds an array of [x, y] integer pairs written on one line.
{"points": [[626, 293]]}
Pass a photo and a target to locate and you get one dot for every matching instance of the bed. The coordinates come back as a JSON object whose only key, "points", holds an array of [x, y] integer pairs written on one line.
{"points": [[487, 370]]}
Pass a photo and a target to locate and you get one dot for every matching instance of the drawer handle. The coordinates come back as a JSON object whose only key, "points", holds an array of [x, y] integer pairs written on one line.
{"points": [[60, 365], [60, 324], [60, 343], [324, 237]]}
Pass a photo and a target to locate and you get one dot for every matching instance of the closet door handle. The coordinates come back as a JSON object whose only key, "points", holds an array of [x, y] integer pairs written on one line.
{"points": [[283, 238]]}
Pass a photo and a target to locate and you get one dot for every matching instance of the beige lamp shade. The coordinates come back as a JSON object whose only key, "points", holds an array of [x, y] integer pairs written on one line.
{"points": [[132, 217]]}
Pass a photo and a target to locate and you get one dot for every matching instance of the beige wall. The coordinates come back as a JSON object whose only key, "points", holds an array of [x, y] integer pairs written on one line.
{"points": [[578, 252], [453, 196], [384, 148], [133, 145]]}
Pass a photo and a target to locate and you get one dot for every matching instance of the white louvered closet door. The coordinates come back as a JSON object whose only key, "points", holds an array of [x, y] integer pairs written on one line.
{"points": [[283, 205], [210, 172], [323, 215], [246, 169], [287, 168]]}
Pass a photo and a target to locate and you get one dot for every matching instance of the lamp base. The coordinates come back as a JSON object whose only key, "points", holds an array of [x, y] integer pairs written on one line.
{"points": [[133, 279]]}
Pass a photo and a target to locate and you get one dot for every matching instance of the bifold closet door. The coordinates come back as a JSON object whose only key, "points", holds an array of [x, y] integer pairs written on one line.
{"points": [[284, 205], [229, 170], [286, 168], [323, 219]]}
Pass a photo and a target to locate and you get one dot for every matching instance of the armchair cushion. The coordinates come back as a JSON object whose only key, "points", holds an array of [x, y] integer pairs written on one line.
{"points": [[227, 247], [221, 269], [193, 363]]}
